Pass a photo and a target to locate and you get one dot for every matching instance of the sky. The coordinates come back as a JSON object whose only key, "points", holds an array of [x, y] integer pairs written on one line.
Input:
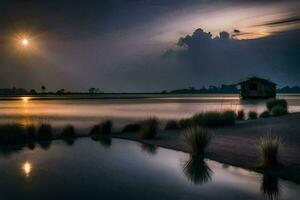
{"points": [[147, 45]]}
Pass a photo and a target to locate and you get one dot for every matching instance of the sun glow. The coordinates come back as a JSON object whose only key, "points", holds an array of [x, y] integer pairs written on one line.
{"points": [[27, 167], [24, 41], [25, 99]]}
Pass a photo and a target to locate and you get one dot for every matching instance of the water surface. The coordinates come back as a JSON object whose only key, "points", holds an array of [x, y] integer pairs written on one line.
{"points": [[120, 169], [122, 109]]}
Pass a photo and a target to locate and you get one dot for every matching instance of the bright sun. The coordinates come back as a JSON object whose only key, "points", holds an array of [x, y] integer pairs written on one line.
{"points": [[25, 41]]}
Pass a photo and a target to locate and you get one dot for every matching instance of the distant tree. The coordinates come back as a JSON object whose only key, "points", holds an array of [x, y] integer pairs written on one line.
{"points": [[43, 88], [92, 90], [32, 91], [61, 91]]}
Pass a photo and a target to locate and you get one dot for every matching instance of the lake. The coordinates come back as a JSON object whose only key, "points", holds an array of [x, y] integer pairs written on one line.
{"points": [[83, 112], [121, 169]]}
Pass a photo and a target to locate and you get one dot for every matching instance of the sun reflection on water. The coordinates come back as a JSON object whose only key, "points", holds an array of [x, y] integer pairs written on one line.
{"points": [[27, 167]]}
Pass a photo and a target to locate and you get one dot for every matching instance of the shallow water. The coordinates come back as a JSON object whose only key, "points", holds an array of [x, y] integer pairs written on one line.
{"points": [[86, 112], [120, 169]]}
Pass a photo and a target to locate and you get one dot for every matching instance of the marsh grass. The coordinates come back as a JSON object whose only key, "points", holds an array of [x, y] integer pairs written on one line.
{"points": [[214, 119], [172, 125], [134, 127], [252, 115], [265, 114], [269, 147], [44, 132], [197, 138], [149, 128], [240, 115], [103, 128]]}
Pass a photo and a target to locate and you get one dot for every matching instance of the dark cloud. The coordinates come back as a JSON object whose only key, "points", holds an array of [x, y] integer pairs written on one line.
{"points": [[288, 20], [223, 59]]}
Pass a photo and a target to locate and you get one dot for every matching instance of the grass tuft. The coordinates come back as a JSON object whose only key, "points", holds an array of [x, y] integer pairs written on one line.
{"points": [[277, 102], [278, 110], [197, 138], [265, 114], [103, 128], [172, 125], [240, 115], [214, 119], [269, 147], [252, 115], [149, 128], [134, 127]]}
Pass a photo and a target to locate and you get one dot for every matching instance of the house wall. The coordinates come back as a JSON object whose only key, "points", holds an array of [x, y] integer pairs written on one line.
{"points": [[263, 89]]}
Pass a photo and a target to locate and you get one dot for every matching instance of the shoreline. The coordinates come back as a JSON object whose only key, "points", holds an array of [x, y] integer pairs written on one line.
{"points": [[233, 145]]}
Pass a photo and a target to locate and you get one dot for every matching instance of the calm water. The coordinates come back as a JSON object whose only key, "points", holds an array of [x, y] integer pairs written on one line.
{"points": [[85, 112], [120, 169]]}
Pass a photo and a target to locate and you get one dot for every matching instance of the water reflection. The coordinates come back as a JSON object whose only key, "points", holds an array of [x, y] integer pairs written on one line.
{"points": [[270, 186], [104, 140], [149, 148], [31, 145], [69, 141], [26, 168], [45, 144], [197, 171]]}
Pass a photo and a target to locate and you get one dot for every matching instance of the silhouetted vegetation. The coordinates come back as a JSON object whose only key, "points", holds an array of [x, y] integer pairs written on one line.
{"points": [[149, 148], [12, 134], [240, 115], [103, 128], [265, 114], [149, 128], [197, 171], [44, 132], [197, 138], [185, 123], [30, 131], [252, 115], [277, 102], [214, 119], [134, 127], [270, 186], [278, 111], [269, 147], [68, 132], [172, 125], [211, 89]]}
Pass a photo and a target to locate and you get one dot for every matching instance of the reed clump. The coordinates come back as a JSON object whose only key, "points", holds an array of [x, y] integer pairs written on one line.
{"points": [[240, 115], [133, 127], [269, 148], [172, 125], [252, 115], [103, 128], [197, 139], [149, 128]]}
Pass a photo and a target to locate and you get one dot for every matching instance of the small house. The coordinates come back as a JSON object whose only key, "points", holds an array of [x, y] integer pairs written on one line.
{"points": [[255, 87]]}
